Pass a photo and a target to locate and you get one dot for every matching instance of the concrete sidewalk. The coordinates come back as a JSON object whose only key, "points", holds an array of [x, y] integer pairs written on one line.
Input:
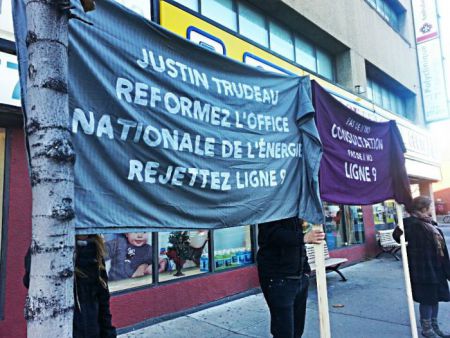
{"points": [[373, 299]]}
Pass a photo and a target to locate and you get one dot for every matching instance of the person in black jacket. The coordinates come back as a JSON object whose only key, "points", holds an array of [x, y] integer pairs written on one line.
{"points": [[429, 264], [283, 271], [92, 316]]}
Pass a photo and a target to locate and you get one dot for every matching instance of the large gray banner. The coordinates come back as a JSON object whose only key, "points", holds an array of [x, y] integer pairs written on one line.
{"points": [[169, 135]]}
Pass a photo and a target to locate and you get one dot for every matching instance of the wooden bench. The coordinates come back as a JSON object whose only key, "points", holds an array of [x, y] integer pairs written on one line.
{"points": [[387, 243], [331, 264]]}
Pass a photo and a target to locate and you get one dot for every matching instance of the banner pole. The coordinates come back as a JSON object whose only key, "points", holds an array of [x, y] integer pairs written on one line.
{"points": [[412, 315], [322, 293]]}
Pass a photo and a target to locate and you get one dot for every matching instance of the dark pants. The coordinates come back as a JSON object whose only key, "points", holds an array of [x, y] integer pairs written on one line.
{"points": [[286, 299], [428, 311]]}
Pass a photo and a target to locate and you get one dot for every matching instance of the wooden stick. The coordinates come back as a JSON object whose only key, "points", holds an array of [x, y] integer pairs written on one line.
{"points": [[412, 315], [322, 295]]}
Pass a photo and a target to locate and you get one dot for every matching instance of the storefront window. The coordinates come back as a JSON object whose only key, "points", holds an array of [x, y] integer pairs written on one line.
{"points": [[384, 215], [129, 260], [354, 224], [232, 247], [344, 225], [131, 257], [182, 253]]}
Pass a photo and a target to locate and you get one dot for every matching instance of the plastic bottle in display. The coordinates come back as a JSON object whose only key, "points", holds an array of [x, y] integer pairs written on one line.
{"points": [[241, 256], [218, 258], [234, 257], [227, 258], [248, 255]]}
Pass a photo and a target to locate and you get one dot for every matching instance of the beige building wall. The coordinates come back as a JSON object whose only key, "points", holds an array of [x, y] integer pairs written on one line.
{"points": [[356, 33]]}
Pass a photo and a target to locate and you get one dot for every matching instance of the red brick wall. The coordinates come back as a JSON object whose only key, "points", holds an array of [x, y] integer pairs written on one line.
{"points": [[18, 238], [444, 195]]}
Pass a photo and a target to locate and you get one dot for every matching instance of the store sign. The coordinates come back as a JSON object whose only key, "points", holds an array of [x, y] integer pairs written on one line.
{"points": [[363, 161], [205, 40], [433, 80], [425, 20], [9, 80], [6, 23], [169, 135], [257, 62], [430, 61]]}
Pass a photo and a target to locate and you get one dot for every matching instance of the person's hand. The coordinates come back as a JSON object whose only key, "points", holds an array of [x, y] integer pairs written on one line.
{"points": [[140, 271], [148, 270], [314, 237]]}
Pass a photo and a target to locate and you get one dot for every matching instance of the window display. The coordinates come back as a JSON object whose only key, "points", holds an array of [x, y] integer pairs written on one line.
{"points": [[129, 259], [384, 215], [232, 247], [344, 225], [182, 253]]}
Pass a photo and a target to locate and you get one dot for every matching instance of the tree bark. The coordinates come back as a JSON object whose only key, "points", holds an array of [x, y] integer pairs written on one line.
{"points": [[49, 305]]}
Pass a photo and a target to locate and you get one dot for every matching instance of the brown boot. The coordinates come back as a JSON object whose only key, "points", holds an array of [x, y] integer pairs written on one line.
{"points": [[437, 330]]}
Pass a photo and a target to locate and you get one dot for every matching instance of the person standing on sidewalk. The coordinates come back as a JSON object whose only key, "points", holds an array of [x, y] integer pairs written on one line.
{"points": [[283, 271], [92, 316], [429, 264]]}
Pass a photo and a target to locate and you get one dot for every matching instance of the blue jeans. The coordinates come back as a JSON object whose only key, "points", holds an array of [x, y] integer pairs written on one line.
{"points": [[286, 299]]}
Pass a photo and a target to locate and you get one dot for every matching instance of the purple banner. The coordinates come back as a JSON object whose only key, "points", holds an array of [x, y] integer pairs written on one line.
{"points": [[363, 161]]}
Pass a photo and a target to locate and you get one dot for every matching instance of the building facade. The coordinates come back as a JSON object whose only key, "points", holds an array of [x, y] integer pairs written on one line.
{"points": [[362, 51]]}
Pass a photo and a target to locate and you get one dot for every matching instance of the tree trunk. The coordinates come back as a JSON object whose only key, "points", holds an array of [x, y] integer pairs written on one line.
{"points": [[49, 305]]}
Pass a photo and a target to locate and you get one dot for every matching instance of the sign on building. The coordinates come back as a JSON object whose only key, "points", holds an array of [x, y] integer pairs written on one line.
{"points": [[430, 61], [9, 80]]}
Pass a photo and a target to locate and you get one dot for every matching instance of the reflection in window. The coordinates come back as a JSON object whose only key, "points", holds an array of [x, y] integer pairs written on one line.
{"points": [[232, 247], [385, 215], [385, 9], [221, 11], [281, 41], [129, 259], [344, 225], [192, 4], [386, 98], [140, 7], [252, 24], [182, 253], [325, 64], [305, 54]]}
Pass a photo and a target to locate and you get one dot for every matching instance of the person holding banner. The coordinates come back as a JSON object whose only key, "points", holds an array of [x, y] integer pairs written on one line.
{"points": [[429, 264], [283, 271]]}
